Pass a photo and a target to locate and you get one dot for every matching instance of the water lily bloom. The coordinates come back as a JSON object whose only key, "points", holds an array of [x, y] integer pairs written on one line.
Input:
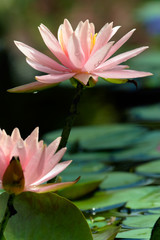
{"points": [[26, 164], [83, 55]]}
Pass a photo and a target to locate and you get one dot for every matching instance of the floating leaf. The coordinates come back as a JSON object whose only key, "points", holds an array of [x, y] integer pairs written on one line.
{"points": [[108, 234], [142, 197], [119, 179], [101, 137], [151, 169], [41, 216]]}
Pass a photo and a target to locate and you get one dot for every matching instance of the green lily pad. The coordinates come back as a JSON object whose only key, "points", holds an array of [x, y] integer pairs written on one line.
{"points": [[141, 234], [142, 197], [91, 173], [87, 184], [3, 204], [145, 113], [150, 199], [151, 169], [143, 221], [101, 137], [117, 179], [109, 233], [95, 157], [46, 215]]}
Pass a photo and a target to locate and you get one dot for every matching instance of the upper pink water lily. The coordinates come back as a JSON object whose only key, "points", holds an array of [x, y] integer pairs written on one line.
{"points": [[83, 55], [26, 164]]}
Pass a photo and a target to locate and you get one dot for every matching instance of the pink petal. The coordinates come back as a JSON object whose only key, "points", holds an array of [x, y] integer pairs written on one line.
{"points": [[15, 136], [39, 57], [31, 87], [30, 172], [54, 46], [54, 78], [7, 147], [78, 28], [51, 162], [95, 60], [53, 173], [123, 74], [33, 136], [41, 68], [3, 163], [102, 37], [92, 27], [75, 52], [51, 149], [114, 30], [120, 58], [66, 31], [50, 186], [118, 44], [20, 151], [85, 38], [83, 77]]}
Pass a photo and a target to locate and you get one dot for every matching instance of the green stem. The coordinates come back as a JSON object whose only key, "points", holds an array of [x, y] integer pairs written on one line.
{"points": [[8, 213], [71, 116]]}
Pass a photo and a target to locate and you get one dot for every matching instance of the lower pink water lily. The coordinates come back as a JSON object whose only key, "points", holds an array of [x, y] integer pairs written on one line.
{"points": [[83, 55], [26, 164]]}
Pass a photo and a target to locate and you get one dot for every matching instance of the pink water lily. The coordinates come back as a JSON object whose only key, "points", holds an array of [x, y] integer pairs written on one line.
{"points": [[83, 55], [26, 164]]}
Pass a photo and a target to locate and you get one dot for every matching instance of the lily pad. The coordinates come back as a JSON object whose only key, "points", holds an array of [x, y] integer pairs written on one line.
{"points": [[145, 113], [109, 233], [142, 197], [138, 234], [46, 215], [143, 221], [95, 157], [119, 179], [87, 184], [101, 137], [151, 169]]}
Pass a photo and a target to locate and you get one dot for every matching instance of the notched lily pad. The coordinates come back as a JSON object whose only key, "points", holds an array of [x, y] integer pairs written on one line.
{"points": [[46, 215]]}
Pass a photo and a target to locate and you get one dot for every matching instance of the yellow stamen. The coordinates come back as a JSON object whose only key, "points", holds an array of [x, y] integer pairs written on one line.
{"points": [[93, 41]]}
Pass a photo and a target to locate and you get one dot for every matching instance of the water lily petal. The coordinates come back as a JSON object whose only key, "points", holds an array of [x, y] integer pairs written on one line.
{"points": [[54, 78], [75, 52], [83, 77], [51, 162], [102, 37], [112, 62], [15, 136], [114, 30], [54, 172], [51, 186], [123, 74], [51, 149], [39, 57], [85, 38], [54, 46], [31, 87], [118, 44], [95, 60], [41, 68]]}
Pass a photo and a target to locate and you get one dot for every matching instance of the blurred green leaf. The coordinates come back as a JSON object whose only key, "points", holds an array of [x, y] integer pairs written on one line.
{"points": [[108, 234], [41, 216]]}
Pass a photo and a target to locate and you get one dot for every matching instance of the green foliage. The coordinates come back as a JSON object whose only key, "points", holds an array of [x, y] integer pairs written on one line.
{"points": [[41, 216], [127, 159]]}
